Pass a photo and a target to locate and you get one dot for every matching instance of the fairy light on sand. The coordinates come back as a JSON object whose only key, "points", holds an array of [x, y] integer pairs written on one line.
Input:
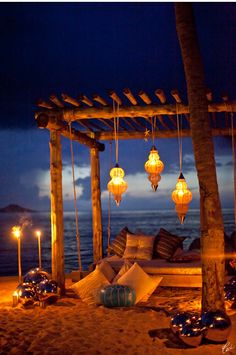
{"points": [[16, 231], [38, 234]]}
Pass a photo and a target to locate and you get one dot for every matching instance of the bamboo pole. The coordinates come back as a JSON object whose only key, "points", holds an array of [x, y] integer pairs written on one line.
{"points": [[130, 96], [96, 205], [57, 225]]}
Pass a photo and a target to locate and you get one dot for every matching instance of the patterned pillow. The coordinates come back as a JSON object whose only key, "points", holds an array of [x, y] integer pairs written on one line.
{"points": [[87, 288], [139, 247], [166, 244], [119, 243]]}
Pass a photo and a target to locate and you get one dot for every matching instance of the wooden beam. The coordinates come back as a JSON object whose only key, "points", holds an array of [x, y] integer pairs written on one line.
{"points": [[44, 121], [113, 95], [142, 94], [57, 226], [172, 133], [56, 101], [70, 100], [130, 96], [161, 96], [44, 104], [176, 96], [73, 114], [85, 100], [100, 100], [96, 205]]}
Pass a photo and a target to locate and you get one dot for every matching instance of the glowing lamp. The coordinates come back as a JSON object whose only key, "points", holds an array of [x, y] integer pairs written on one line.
{"points": [[38, 235], [117, 186], [16, 231], [154, 167], [181, 197]]}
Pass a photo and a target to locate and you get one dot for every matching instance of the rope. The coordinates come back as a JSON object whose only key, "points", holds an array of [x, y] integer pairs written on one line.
{"points": [[109, 209], [75, 199], [234, 162], [154, 122], [179, 128], [116, 128]]}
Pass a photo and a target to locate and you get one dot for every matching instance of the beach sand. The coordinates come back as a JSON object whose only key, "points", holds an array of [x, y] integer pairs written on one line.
{"points": [[71, 327]]}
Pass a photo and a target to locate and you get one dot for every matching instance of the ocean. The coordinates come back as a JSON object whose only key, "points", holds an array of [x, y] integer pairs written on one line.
{"points": [[148, 222]]}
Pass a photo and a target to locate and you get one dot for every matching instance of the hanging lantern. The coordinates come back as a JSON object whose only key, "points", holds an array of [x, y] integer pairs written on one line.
{"points": [[181, 197], [154, 167], [117, 186]]}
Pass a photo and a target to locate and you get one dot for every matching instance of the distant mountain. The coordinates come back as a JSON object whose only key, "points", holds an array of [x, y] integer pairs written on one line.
{"points": [[15, 208]]}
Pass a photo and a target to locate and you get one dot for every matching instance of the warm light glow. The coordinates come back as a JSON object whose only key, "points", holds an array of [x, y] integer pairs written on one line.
{"points": [[16, 231], [181, 197], [38, 233], [154, 167], [117, 186]]}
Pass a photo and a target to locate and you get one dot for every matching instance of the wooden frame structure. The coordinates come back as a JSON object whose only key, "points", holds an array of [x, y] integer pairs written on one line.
{"points": [[92, 121]]}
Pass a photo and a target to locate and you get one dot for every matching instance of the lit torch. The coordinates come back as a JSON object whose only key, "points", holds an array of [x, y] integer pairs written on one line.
{"points": [[16, 231], [38, 235]]}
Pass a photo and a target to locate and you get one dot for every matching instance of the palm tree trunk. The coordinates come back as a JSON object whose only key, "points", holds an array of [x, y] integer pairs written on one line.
{"points": [[212, 230]]}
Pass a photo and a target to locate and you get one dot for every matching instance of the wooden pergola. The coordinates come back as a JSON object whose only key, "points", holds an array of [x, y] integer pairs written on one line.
{"points": [[92, 121]]}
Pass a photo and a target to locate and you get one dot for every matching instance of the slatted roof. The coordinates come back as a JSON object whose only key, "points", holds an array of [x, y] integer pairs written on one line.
{"points": [[93, 116]]}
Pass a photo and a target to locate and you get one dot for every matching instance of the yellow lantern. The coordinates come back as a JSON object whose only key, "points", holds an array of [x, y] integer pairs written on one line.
{"points": [[154, 167], [117, 186], [181, 197]]}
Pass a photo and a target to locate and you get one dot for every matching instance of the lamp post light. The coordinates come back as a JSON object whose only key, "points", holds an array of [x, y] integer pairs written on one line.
{"points": [[38, 235], [16, 230]]}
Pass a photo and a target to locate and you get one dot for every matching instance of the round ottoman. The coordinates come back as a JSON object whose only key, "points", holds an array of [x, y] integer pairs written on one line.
{"points": [[117, 296]]}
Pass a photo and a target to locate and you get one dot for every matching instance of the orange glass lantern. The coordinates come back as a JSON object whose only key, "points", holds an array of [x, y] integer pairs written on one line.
{"points": [[117, 186], [154, 167], [181, 197]]}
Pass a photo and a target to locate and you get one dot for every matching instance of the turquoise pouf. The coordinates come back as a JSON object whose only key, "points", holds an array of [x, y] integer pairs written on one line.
{"points": [[117, 296]]}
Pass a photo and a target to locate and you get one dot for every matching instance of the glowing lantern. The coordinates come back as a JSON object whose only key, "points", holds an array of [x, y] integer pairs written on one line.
{"points": [[181, 197], [117, 186], [154, 167]]}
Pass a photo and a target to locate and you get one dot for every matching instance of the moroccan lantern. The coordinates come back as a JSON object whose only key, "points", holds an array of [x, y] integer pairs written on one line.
{"points": [[181, 197], [117, 186], [154, 167]]}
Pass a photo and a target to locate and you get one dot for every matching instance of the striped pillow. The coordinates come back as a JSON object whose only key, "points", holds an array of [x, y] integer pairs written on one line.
{"points": [[166, 244], [139, 246], [119, 243], [87, 288]]}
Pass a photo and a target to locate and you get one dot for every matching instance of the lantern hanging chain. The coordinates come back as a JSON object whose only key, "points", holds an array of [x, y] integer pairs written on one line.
{"points": [[75, 199], [179, 128], [109, 208], [154, 121], [116, 128]]}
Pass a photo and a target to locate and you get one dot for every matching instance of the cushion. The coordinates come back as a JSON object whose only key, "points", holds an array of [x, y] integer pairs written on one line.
{"points": [[107, 270], [138, 280], [119, 243], [166, 244], [139, 247], [182, 256], [117, 296], [157, 279], [87, 288], [124, 268]]}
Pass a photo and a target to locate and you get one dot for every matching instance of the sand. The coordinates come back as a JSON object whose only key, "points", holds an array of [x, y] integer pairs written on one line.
{"points": [[71, 327]]}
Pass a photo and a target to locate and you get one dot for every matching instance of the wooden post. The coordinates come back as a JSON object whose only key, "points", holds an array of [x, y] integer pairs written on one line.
{"points": [[96, 205], [57, 227]]}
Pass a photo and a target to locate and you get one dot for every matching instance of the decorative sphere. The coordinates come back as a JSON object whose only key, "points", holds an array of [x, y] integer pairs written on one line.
{"points": [[179, 321], [191, 334], [231, 284], [47, 289], [35, 276], [117, 296], [218, 326], [230, 295], [26, 294]]}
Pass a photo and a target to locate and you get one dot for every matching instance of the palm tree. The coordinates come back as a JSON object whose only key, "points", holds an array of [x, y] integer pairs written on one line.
{"points": [[212, 230]]}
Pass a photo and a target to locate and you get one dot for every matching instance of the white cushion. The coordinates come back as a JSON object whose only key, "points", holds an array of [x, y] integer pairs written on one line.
{"points": [[107, 270], [157, 279], [87, 288], [125, 267], [139, 246], [139, 280]]}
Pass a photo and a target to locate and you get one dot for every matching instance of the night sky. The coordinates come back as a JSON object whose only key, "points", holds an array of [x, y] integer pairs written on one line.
{"points": [[90, 48]]}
